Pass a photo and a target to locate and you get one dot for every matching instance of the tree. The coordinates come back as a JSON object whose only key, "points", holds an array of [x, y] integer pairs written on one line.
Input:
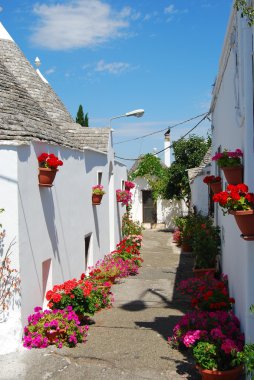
{"points": [[173, 182], [80, 118], [86, 122], [188, 153], [151, 168]]}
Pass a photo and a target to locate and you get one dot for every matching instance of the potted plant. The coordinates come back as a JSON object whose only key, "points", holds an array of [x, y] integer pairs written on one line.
{"points": [[237, 201], [206, 247], [221, 338], [207, 293], [218, 360], [230, 163], [97, 194], [184, 226], [123, 196], [214, 182], [48, 164], [129, 185], [82, 295], [59, 327], [177, 237]]}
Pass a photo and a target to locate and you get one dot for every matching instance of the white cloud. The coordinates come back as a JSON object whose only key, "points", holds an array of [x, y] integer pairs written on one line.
{"points": [[78, 23], [1, 9], [169, 10], [50, 71], [113, 67]]}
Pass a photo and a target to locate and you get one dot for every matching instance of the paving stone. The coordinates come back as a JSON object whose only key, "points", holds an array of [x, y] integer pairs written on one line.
{"points": [[129, 340]]}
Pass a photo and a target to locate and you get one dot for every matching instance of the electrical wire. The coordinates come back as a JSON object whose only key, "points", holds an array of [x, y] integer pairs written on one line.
{"points": [[161, 130], [170, 146]]}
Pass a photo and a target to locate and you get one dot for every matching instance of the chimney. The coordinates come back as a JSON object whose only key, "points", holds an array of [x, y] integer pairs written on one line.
{"points": [[167, 158]]}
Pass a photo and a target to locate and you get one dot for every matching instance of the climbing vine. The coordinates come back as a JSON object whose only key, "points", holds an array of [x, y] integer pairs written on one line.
{"points": [[156, 174], [246, 10]]}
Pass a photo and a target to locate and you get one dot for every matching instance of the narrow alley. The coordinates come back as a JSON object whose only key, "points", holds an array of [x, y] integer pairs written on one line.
{"points": [[128, 340]]}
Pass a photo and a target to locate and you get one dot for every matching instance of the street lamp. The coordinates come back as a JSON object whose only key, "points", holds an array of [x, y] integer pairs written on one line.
{"points": [[136, 113]]}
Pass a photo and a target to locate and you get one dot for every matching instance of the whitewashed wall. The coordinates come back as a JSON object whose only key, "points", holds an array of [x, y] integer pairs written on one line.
{"points": [[10, 326], [51, 223], [200, 195], [166, 209], [137, 205], [232, 119]]}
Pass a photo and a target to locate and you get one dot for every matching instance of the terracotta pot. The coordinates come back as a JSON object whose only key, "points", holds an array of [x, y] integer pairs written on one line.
{"points": [[204, 272], [186, 247], [216, 187], [53, 335], [112, 279], [234, 174], [245, 222], [46, 176], [96, 199], [232, 374]]}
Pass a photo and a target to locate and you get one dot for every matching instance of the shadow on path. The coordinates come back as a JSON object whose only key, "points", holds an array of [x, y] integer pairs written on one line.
{"points": [[174, 303]]}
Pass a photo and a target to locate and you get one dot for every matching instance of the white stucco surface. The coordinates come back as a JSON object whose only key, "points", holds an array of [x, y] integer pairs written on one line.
{"points": [[10, 320], [232, 119], [51, 224], [166, 209]]}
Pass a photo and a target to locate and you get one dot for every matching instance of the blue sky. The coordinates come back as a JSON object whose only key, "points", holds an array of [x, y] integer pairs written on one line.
{"points": [[114, 56]]}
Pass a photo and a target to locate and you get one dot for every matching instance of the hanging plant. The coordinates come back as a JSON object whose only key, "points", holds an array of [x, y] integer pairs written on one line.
{"points": [[246, 10]]}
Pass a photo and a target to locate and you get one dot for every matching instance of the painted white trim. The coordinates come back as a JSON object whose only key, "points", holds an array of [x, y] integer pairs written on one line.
{"points": [[224, 58], [41, 76], [4, 35]]}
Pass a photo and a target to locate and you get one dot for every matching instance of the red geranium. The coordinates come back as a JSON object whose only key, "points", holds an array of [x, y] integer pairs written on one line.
{"points": [[49, 161], [211, 179], [236, 197]]}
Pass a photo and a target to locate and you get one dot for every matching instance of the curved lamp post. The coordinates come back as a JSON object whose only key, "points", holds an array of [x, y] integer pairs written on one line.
{"points": [[136, 113]]}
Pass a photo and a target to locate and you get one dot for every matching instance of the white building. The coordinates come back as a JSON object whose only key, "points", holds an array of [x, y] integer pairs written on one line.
{"points": [[232, 127], [151, 213], [58, 232]]}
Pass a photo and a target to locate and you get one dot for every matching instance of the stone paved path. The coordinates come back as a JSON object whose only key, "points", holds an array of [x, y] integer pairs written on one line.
{"points": [[129, 340]]}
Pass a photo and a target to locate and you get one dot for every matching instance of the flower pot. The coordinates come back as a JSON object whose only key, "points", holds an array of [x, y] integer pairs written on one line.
{"points": [[186, 247], [46, 176], [204, 272], [216, 187], [96, 199], [232, 374], [245, 222], [233, 174], [54, 335]]}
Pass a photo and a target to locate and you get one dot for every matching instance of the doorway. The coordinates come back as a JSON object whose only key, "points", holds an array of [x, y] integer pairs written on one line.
{"points": [[149, 207]]}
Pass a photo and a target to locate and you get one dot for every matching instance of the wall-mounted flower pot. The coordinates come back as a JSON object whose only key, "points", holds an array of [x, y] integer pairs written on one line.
{"points": [[232, 374], [96, 199], [216, 187], [46, 176], [245, 222], [234, 174]]}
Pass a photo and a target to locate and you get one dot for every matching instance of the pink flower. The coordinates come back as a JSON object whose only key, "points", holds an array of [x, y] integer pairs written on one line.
{"points": [[229, 345]]}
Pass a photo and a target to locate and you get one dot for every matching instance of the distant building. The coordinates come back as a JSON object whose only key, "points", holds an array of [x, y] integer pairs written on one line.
{"points": [[151, 213]]}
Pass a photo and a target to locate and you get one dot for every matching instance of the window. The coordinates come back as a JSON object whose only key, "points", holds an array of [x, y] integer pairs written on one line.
{"points": [[99, 178], [87, 250]]}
